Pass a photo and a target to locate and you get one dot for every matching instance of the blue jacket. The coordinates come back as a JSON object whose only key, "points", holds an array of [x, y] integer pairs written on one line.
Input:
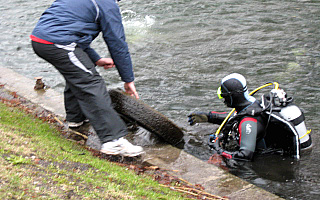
{"points": [[81, 21]]}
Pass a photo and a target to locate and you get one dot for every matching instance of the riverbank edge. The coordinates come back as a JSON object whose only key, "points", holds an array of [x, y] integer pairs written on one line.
{"points": [[187, 167]]}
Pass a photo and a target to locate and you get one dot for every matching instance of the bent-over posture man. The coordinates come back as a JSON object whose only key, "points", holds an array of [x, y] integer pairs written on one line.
{"points": [[62, 37]]}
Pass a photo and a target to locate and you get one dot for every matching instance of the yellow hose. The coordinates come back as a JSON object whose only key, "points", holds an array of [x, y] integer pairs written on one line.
{"points": [[308, 132]]}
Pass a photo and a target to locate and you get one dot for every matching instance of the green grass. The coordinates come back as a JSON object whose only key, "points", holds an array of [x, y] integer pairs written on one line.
{"points": [[36, 162]]}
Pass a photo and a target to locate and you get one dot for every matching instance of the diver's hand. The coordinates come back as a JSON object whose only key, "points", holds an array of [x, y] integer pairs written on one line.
{"points": [[197, 117], [231, 163]]}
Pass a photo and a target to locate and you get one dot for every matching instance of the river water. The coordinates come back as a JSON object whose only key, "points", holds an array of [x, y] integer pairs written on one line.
{"points": [[181, 49]]}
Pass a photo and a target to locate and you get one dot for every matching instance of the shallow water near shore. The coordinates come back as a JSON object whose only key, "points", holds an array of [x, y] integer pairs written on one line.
{"points": [[182, 49]]}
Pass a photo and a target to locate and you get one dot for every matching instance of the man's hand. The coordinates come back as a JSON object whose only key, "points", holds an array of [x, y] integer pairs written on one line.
{"points": [[106, 63], [131, 89]]}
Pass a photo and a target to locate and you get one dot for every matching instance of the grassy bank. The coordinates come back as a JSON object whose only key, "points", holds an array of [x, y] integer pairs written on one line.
{"points": [[37, 163]]}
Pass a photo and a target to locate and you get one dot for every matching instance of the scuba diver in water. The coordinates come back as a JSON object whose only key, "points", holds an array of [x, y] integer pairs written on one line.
{"points": [[273, 124]]}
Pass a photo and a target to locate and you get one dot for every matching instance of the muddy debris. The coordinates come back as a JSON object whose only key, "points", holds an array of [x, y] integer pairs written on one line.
{"points": [[39, 83]]}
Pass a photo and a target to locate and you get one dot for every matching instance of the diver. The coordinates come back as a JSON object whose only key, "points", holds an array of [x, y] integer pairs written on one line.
{"points": [[272, 124]]}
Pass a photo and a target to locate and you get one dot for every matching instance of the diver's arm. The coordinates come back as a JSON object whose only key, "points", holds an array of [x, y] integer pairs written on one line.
{"points": [[242, 154], [248, 130], [211, 117], [216, 117]]}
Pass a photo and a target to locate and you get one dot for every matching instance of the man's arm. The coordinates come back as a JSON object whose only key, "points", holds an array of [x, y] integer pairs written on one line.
{"points": [[113, 33], [94, 56]]}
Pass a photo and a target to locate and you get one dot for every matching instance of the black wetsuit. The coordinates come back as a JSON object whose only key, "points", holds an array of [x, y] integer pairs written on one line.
{"points": [[257, 131]]}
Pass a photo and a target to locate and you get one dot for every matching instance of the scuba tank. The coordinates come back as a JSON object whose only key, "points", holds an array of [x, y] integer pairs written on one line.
{"points": [[292, 114]]}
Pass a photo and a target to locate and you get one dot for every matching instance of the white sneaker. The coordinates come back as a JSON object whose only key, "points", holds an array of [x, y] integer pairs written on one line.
{"points": [[74, 124], [77, 124], [121, 146]]}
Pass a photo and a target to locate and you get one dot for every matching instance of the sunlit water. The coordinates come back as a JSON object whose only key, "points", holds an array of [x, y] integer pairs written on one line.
{"points": [[181, 49]]}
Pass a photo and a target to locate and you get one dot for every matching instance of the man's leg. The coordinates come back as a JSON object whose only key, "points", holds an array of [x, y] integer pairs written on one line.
{"points": [[73, 110], [87, 86]]}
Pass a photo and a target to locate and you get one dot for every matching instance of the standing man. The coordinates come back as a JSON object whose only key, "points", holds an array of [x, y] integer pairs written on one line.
{"points": [[62, 37]]}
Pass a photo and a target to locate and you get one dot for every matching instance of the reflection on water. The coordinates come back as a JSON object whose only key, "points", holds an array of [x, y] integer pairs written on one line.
{"points": [[181, 49]]}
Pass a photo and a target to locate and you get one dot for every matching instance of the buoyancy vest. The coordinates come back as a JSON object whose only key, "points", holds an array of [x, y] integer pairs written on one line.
{"points": [[285, 126]]}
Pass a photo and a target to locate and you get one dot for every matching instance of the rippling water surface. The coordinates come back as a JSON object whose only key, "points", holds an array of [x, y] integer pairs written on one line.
{"points": [[181, 49]]}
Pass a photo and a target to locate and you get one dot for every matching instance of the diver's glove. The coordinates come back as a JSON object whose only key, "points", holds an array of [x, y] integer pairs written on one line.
{"points": [[197, 117]]}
